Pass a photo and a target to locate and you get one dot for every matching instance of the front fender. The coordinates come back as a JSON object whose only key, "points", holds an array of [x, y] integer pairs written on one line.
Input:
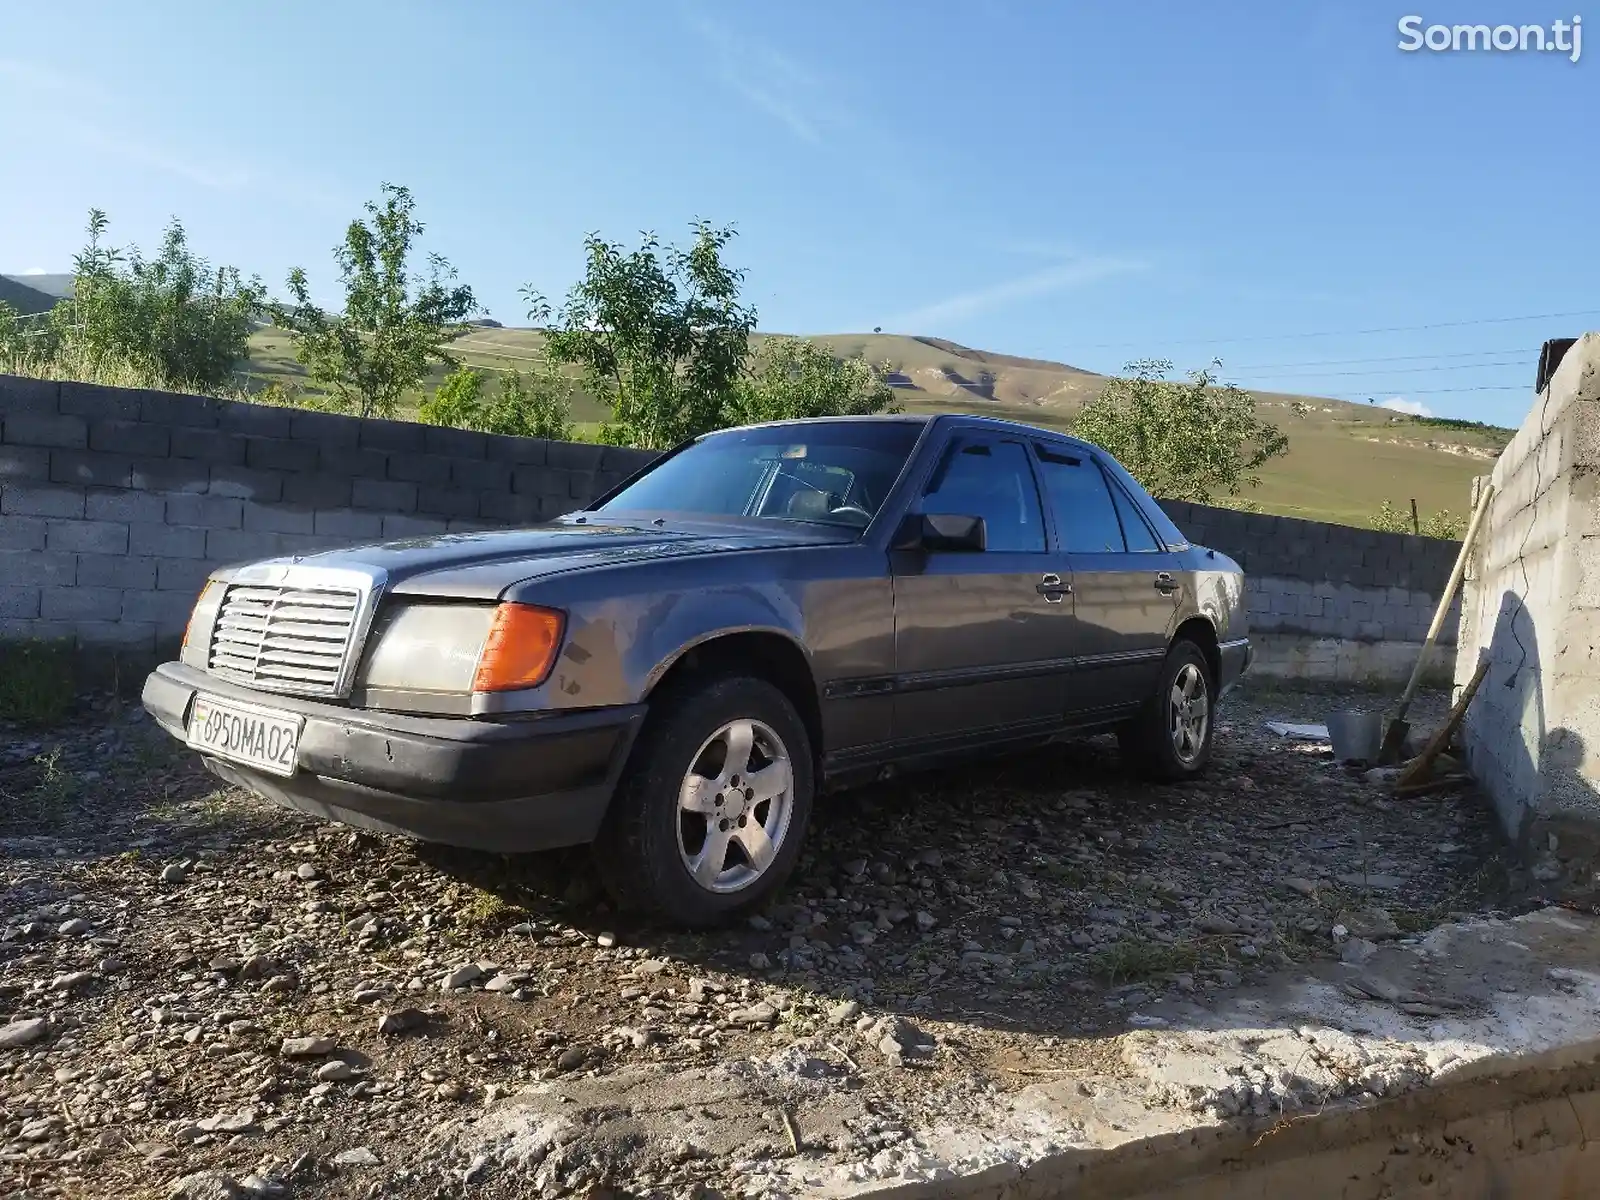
{"points": [[617, 649], [704, 617]]}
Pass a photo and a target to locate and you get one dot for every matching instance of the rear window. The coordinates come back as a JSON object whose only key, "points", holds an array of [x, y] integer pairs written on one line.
{"points": [[1153, 512]]}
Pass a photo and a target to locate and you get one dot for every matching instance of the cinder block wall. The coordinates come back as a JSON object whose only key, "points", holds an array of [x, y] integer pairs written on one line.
{"points": [[1331, 602], [1532, 607], [116, 503]]}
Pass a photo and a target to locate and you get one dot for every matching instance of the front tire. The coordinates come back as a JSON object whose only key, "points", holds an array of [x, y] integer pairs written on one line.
{"points": [[710, 814], [1170, 739]]}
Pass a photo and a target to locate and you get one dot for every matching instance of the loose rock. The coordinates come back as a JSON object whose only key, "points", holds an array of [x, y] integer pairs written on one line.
{"points": [[23, 1033], [307, 1047]]}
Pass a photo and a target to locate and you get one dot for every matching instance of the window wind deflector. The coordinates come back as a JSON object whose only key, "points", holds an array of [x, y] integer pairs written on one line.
{"points": [[1049, 454]]}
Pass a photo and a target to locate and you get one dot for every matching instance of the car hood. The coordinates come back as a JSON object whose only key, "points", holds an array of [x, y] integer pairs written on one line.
{"points": [[482, 565]]}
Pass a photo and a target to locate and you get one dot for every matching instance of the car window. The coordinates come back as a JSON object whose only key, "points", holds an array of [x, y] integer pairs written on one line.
{"points": [[1165, 529], [836, 472], [1086, 517], [992, 480], [1135, 529]]}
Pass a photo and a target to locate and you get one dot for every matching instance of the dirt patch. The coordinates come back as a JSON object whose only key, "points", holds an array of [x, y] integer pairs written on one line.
{"points": [[480, 1025]]}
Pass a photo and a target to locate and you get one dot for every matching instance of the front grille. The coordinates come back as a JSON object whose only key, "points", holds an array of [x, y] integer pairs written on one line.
{"points": [[284, 639]]}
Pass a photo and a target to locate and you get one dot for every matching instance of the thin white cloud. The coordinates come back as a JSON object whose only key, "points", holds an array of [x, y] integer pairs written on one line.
{"points": [[1038, 248], [212, 176], [36, 271], [1058, 278], [52, 124], [41, 77], [1413, 408], [770, 81]]}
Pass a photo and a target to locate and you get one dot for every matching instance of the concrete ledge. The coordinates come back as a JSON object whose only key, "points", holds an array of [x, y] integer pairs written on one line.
{"points": [[1345, 660], [1480, 1068], [1523, 1135], [1453, 1064]]}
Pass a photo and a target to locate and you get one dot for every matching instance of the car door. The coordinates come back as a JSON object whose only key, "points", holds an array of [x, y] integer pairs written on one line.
{"points": [[1126, 584], [982, 638]]}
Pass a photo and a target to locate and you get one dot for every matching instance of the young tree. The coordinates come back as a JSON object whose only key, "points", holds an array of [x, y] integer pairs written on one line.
{"points": [[13, 338], [395, 322], [537, 404], [659, 334], [1440, 524], [457, 401], [1181, 441], [798, 378], [173, 317]]}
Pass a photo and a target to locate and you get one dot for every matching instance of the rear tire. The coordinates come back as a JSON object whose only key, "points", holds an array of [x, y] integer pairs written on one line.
{"points": [[1170, 739], [709, 816]]}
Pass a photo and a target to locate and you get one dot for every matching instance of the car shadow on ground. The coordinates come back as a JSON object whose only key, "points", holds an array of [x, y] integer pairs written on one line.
{"points": [[1055, 893]]}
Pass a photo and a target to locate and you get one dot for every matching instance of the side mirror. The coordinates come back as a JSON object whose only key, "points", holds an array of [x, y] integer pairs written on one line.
{"points": [[942, 532]]}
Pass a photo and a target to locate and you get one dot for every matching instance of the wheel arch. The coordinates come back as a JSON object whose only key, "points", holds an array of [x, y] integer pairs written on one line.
{"points": [[1202, 633], [763, 653]]}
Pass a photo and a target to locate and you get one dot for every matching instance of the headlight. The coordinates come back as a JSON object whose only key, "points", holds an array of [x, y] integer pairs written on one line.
{"points": [[428, 647], [196, 650]]}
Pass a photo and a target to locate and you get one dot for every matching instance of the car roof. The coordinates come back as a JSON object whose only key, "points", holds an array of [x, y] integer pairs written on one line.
{"points": [[1001, 425], [998, 424]]}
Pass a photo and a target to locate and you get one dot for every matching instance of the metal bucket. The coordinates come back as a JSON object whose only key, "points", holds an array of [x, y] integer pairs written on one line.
{"points": [[1355, 735]]}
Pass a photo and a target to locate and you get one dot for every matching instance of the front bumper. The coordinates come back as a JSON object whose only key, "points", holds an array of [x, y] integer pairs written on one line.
{"points": [[488, 785], [1235, 658]]}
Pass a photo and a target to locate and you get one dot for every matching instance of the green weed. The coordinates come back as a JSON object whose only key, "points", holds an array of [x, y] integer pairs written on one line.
{"points": [[1134, 959], [36, 682], [486, 908]]}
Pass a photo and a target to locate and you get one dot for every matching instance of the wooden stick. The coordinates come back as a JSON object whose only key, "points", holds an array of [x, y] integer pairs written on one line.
{"points": [[1445, 598], [790, 1130], [1444, 783], [1423, 763]]}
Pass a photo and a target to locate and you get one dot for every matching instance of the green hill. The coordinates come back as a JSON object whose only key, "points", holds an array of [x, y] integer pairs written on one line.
{"points": [[24, 296], [1344, 459]]}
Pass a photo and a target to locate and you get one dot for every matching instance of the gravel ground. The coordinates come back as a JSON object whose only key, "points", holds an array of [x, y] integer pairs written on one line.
{"points": [[204, 995]]}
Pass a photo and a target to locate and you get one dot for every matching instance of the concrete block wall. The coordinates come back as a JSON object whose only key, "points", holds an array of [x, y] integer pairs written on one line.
{"points": [[116, 503], [1332, 602], [1532, 607]]}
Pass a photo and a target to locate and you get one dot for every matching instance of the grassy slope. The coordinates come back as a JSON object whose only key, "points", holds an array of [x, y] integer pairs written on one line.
{"points": [[55, 287], [1343, 460], [24, 298]]}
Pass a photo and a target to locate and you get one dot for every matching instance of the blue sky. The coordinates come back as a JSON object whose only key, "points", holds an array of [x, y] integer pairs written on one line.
{"points": [[1091, 182]]}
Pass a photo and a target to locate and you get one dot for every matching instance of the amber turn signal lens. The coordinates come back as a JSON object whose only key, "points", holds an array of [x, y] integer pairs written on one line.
{"points": [[520, 649], [200, 602]]}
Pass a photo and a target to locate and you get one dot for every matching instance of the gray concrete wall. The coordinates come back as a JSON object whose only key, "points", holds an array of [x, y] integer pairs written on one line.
{"points": [[114, 505], [1332, 602], [1532, 606]]}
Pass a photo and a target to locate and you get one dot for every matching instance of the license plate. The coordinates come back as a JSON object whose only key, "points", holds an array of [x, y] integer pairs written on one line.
{"points": [[257, 737]]}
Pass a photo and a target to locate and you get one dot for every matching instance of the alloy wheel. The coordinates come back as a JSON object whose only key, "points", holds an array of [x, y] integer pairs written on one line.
{"points": [[1188, 713], [734, 806]]}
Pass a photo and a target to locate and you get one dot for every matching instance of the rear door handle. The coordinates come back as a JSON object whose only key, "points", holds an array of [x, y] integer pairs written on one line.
{"points": [[1053, 589], [1166, 584]]}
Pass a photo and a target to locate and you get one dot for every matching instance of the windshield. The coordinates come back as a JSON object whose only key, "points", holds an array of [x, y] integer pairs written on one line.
{"points": [[834, 472]]}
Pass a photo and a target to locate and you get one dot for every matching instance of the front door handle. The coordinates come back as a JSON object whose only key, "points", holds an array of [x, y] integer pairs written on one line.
{"points": [[1053, 589], [1166, 584]]}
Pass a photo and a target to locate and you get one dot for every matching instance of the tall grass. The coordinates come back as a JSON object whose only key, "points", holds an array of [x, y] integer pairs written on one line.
{"points": [[72, 363]]}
